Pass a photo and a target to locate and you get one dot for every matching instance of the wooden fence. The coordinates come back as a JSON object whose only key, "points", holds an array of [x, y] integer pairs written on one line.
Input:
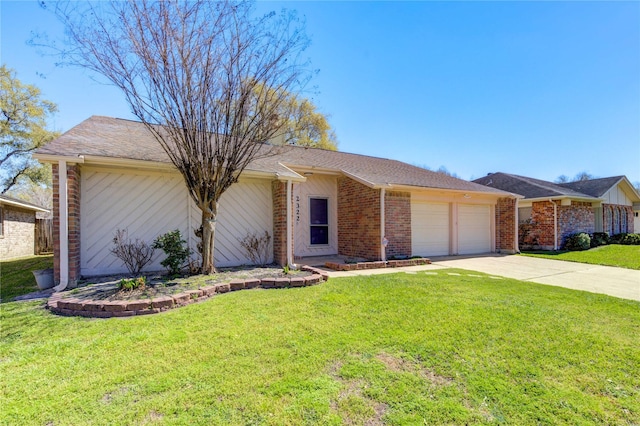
{"points": [[44, 236]]}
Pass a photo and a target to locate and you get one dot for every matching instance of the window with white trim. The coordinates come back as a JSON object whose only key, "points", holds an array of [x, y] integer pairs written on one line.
{"points": [[319, 221]]}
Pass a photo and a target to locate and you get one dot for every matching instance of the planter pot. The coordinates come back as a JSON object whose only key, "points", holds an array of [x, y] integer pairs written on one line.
{"points": [[44, 278]]}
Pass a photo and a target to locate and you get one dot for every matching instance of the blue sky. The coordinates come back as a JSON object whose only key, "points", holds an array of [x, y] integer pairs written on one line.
{"points": [[539, 89]]}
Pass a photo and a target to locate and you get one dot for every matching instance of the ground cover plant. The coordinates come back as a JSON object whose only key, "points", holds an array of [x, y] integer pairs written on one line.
{"points": [[445, 347], [623, 256], [16, 278]]}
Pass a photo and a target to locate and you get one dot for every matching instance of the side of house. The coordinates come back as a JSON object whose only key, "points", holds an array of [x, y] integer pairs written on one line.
{"points": [[17, 227], [550, 212]]}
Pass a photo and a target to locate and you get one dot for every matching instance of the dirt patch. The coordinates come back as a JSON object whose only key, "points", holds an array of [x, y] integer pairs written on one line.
{"points": [[404, 365]]}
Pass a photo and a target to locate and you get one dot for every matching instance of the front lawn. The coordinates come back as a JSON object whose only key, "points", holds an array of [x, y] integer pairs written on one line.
{"points": [[452, 347], [610, 255], [16, 278]]}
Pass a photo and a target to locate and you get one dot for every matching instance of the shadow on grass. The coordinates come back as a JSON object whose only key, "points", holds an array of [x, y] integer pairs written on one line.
{"points": [[16, 278]]}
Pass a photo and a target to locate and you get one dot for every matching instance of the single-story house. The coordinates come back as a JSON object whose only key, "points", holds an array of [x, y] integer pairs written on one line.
{"points": [[549, 212], [111, 174], [17, 227]]}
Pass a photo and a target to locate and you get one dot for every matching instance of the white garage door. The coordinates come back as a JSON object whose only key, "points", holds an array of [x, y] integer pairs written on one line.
{"points": [[474, 229], [429, 229]]}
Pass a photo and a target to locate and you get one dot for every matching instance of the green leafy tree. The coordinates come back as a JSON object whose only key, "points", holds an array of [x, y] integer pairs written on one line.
{"points": [[306, 126], [23, 129]]}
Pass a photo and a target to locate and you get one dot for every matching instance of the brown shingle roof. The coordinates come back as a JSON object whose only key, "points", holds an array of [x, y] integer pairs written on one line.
{"points": [[529, 187], [117, 138]]}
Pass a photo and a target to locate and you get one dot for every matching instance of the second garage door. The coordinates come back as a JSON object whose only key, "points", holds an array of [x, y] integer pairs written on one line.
{"points": [[474, 229], [429, 229]]}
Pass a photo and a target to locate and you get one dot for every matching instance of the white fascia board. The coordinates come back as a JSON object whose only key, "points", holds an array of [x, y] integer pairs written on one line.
{"points": [[364, 181], [457, 191], [52, 158], [294, 177], [27, 206]]}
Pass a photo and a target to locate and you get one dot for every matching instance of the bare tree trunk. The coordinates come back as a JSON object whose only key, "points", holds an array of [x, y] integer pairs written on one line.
{"points": [[209, 218]]}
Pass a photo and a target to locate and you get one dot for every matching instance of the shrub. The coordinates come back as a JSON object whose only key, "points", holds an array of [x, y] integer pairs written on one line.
{"points": [[578, 241], [599, 239], [173, 246], [134, 254], [626, 239], [257, 248], [132, 284]]}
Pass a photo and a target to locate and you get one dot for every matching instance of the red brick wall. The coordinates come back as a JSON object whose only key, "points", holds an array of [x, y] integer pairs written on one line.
{"points": [[578, 217], [73, 199], [397, 224], [279, 193], [542, 217], [506, 225], [358, 220], [73, 187]]}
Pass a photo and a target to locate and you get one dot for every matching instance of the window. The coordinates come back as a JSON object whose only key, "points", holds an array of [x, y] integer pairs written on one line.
{"points": [[1, 222], [319, 221]]}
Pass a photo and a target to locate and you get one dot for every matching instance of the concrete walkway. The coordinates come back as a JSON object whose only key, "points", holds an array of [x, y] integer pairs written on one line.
{"points": [[618, 282]]}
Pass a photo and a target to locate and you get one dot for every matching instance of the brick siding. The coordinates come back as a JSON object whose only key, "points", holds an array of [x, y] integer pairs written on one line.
{"points": [[397, 224], [18, 237], [506, 225], [358, 220], [73, 199], [279, 192], [578, 217]]}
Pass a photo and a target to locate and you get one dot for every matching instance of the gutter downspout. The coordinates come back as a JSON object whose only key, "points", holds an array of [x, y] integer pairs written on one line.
{"points": [[555, 225], [290, 263], [64, 225], [383, 246]]}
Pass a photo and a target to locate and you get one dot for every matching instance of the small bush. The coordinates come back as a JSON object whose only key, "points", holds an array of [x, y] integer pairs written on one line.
{"points": [[578, 241], [599, 239], [134, 254], [173, 246], [626, 239], [132, 284], [257, 248]]}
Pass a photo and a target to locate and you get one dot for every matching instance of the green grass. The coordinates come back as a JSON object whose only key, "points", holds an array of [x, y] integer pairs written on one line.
{"points": [[611, 255], [16, 278], [401, 349]]}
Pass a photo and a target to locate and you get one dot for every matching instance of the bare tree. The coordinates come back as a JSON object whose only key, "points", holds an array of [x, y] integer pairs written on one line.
{"points": [[580, 177], [205, 77]]}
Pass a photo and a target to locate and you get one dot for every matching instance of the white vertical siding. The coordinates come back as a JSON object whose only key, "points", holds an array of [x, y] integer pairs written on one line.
{"points": [[617, 196], [149, 204], [320, 187]]}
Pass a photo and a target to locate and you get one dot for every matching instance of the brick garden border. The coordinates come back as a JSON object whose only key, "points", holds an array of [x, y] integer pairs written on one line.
{"points": [[377, 265], [128, 308]]}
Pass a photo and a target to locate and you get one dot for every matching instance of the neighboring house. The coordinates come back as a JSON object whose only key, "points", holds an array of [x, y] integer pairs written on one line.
{"points": [[620, 206], [17, 227], [111, 173], [549, 212]]}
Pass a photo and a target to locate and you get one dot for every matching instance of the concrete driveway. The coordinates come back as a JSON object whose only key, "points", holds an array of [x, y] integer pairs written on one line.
{"points": [[618, 282]]}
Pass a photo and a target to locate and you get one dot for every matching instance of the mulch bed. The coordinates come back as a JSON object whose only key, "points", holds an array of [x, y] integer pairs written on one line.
{"points": [[101, 298]]}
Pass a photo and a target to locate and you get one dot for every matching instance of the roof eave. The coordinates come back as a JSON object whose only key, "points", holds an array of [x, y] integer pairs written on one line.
{"points": [[564, 197], [458, 191], [28, 206]]}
